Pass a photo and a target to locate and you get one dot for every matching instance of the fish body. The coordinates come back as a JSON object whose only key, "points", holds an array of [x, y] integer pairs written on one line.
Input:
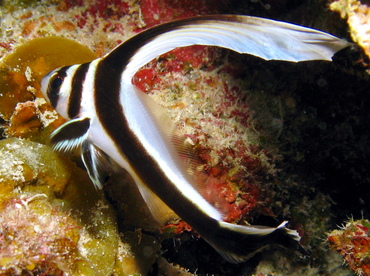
{"points": [[112, 121]]}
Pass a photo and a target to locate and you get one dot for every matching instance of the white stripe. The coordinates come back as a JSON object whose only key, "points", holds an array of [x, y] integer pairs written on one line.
{"points": [[88, 92], [65, 92]]}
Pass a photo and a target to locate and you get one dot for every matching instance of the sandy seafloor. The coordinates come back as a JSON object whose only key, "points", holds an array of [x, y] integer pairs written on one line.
{"points": [[279, 141]]}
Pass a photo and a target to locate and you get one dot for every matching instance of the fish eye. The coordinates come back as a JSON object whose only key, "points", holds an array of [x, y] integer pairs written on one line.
{"points": [[56, 81]]}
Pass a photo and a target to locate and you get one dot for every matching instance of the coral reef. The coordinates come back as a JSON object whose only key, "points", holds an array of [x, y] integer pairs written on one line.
{"points": [[358, 18], [277, 141], [37, 239], [352, 241]]}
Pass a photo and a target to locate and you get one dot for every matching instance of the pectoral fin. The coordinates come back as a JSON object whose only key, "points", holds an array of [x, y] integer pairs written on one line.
{"points": [[97, 163]]}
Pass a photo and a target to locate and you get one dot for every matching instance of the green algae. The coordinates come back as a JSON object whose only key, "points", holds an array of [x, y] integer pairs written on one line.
{"points": [[24, 162], [22, 106]]}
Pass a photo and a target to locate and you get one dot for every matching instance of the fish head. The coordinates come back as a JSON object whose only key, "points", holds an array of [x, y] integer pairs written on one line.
{"points": [[56, 88]]}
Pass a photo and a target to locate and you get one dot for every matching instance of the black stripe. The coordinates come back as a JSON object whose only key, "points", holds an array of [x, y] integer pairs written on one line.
{"points": [[55, 82], [78, 80], [110, 113]]}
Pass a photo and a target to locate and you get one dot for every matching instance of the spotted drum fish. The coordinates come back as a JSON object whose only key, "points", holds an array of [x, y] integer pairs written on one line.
{"points": [[111, 119]]}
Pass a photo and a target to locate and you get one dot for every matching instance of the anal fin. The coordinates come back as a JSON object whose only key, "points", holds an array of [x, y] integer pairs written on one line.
{"points": [[159, 210]]}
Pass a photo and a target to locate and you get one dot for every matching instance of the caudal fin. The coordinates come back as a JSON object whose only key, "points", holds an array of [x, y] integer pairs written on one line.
{"points": [[237, 243]]}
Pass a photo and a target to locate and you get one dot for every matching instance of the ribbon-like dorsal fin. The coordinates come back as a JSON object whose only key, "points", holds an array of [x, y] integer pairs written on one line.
{"points": [[264, 38]]}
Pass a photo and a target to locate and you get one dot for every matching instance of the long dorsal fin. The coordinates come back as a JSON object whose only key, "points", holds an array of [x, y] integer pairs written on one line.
{"points": [[264, 38]]}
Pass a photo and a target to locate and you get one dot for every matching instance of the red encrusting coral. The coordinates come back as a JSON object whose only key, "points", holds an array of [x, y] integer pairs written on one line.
{"points": [[99, 8], [353, 243], [178, 60], [7, 45], [159, 11], [108, 10]]}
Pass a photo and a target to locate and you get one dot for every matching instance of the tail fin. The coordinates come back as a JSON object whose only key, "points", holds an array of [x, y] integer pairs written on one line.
{"points": [[237, 243]]}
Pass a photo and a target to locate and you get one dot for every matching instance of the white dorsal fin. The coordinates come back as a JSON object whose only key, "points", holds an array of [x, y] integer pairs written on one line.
{"points": [[264, 38]]}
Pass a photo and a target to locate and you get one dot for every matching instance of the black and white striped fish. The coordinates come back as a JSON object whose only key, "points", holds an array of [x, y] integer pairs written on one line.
{"points": [[110, 118]]}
